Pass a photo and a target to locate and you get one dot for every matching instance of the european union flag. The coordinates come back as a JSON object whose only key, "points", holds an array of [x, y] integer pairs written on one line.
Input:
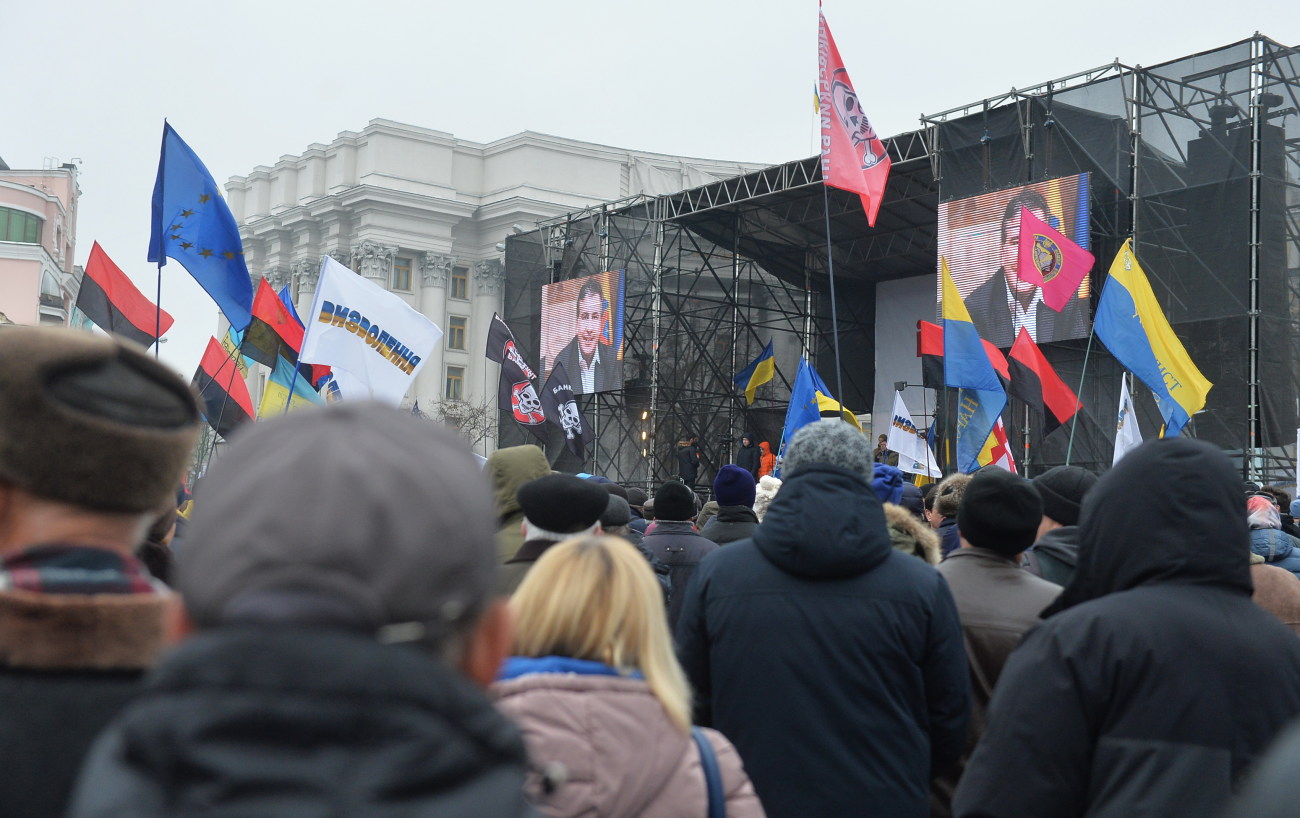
{"points": [[804, 406], [193, 225]]}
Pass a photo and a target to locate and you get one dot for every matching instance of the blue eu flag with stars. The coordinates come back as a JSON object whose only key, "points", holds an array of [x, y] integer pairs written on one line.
{"points": [[193, 225]]}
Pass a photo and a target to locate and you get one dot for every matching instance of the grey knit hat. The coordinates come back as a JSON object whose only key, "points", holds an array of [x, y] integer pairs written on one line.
{"points": [[356, 506], [829, 441]]}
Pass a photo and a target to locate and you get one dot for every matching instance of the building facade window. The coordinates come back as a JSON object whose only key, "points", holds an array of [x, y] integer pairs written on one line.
{"points": [[455, 383], [456, 332], [15, 225], [402, 273], [460, 283]]}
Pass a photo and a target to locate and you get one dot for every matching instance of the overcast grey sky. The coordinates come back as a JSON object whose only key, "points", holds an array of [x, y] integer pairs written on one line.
{"points": [[246, 82]]}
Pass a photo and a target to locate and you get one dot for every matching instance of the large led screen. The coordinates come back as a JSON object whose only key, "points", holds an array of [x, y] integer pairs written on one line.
{"points": [[979, 237], [582, 327]]}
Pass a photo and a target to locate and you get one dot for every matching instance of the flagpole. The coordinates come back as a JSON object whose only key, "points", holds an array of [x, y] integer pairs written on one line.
{"points": [[157, 318], [292, 383], [1075, 421], [830, 274], [225, 396]]}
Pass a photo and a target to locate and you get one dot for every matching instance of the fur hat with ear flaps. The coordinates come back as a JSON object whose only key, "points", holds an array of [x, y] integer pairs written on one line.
{"points": [[92, 421]]}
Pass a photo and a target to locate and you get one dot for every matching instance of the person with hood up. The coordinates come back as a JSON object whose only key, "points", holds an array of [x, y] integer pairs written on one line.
{"points": [[943, 516], [508, 469], [345, 631], [766, 461], [764, 494], [860, 689], [1154, 682], [1055, 553], [1266, 536], [910, 535], [735, 520], [604, 706], [748, 457]]}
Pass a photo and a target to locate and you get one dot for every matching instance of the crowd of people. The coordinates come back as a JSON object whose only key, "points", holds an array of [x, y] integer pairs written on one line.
{"points": [[357, 620]]}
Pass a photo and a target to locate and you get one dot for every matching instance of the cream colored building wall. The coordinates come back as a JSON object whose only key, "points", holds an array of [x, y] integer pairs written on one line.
{"points": [[393, 191]]}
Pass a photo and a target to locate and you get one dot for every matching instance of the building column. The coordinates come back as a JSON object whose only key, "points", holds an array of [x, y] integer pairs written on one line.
{"points": [[375, 262], [434, 271], [489, 276]]}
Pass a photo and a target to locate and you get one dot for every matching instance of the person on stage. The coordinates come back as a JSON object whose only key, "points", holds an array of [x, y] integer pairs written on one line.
{"points": [[1002, 305], [591, 363]]}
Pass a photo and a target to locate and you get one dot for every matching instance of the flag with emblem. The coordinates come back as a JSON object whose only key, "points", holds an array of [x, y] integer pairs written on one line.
{"points": [[853, 157], [517, 394], [561, 408], [1050, 260], [193, 225]]}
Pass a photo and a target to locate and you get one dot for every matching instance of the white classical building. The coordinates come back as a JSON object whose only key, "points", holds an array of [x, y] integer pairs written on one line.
{"points": [[425, 214]]}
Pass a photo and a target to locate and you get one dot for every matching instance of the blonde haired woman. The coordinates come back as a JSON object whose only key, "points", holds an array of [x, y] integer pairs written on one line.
{"points": [[604, 706]]}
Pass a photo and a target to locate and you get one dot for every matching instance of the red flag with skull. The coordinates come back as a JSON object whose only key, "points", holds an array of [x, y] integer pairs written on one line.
{"points": [[853, 157]]}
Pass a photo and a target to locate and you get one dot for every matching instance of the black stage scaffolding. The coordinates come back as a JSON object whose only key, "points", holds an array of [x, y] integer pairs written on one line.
{"points": [[1198, 159]]}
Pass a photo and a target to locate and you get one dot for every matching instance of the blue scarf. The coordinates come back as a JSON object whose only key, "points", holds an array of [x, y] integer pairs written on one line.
{"points": [[517, 666]]}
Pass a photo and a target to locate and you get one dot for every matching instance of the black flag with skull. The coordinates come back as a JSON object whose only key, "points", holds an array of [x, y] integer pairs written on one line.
{"points": [[517, 388], [561, 409]]}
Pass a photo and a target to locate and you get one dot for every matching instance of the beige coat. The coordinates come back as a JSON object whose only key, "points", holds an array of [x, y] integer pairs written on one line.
{"points": [[621, 757]]}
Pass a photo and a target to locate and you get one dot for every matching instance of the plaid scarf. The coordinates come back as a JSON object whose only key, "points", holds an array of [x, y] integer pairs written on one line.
{"points": [[74, 569]]}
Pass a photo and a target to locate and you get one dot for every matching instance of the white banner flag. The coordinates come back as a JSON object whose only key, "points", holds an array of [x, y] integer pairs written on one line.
{"points": [[361, 329], [914, 455], [1127, 434]]}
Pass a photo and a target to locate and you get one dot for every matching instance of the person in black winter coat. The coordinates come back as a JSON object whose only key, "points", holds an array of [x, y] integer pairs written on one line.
{"points": [[735, 520], [748, 456], [674, 541], [688, 460], [833, 661], [344, 637], [1154, 681]]}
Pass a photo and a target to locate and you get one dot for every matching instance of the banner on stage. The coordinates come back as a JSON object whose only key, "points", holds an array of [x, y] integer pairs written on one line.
{"points": [[914, 454]]}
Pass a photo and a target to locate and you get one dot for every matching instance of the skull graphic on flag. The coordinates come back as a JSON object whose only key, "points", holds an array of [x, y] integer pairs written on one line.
{"points": [[562, 408], [526, 405]]}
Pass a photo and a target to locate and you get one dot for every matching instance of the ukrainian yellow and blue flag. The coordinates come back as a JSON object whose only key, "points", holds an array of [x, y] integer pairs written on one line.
{"points": [[275, 396], [980, 396], [1134, 328], [760, 370]]}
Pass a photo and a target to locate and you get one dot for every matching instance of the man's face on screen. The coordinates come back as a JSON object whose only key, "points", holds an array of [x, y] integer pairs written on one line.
{"points": [[591, 317], [1011, 253]]}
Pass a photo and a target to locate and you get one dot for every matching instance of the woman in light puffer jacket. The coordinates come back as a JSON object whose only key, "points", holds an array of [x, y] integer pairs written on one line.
{"points": [[603, 704]]}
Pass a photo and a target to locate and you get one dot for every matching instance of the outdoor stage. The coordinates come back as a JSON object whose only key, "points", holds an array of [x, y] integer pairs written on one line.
{"points": [[1197, 159]]}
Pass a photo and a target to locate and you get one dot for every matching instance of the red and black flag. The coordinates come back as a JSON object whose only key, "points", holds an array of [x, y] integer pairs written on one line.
{"points": [[276, 331], [517, 387], [929, 348], [1035, 382], [226, 402], [562, 409], [273, 332], [114, 304]]}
